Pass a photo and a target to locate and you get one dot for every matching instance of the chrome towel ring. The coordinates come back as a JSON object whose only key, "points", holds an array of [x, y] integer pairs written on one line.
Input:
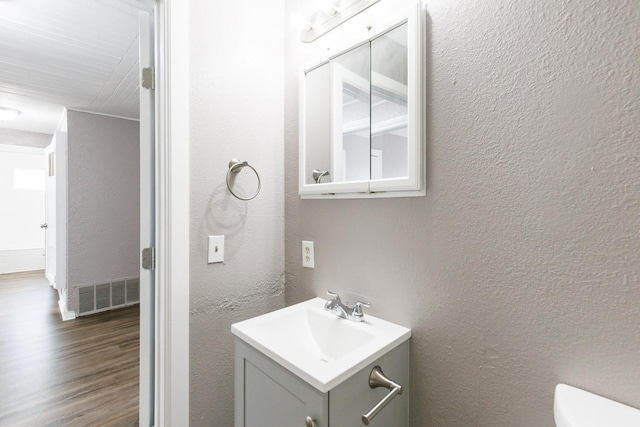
{"points": [[318, 174], [236, 166]]}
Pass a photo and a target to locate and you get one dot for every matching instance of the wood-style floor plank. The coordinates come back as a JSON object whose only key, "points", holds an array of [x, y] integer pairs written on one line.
{"points": [[82, 372]]}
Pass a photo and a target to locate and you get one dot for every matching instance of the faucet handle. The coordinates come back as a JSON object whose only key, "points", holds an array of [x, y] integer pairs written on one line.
{"points": [[333, 295], [357, 309]]}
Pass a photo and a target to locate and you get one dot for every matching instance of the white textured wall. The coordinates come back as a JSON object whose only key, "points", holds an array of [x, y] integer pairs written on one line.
{"points": [[27, 139], [17, 260], [521, 266], [236, 64], [103, 200]]}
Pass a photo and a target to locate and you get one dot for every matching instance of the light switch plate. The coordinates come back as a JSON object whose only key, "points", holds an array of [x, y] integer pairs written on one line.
{"points": [[307, 254], [216, 249]]}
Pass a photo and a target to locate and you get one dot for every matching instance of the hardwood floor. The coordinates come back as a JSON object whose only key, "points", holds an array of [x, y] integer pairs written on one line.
{"points": [[82, 372]]}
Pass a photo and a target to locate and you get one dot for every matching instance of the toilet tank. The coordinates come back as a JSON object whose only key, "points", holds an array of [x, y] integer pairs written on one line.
{"points": [[573, 407]]}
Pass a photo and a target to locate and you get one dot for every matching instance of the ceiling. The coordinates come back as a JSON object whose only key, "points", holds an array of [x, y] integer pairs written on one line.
{"points": [[77, 54]]}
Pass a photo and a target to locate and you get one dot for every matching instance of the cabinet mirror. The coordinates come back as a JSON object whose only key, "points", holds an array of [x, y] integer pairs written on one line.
{"points": [[361, 127]]}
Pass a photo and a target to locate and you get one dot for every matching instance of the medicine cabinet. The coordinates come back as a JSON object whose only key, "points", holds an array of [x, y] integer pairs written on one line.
{"points": [[362, 115]]}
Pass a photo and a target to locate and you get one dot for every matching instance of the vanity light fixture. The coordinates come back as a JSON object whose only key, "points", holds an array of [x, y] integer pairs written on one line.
{"points": [[7, 114], [326, 19]]}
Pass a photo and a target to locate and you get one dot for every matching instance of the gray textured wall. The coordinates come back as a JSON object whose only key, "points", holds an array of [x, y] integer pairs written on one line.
{"points": [[520, 268], [236, 112], [103, 200]]}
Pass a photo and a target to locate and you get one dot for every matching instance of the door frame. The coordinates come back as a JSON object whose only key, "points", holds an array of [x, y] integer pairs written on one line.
{"points": [[50, 212], [146, 23], [172, 214]]}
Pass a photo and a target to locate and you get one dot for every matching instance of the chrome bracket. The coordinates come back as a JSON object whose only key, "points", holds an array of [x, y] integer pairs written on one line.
{"points": [[377, 379]]}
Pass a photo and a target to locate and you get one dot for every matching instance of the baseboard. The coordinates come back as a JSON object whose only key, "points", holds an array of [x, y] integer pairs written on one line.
{"points": [[19, 260], [31, 273], [66, 315]]}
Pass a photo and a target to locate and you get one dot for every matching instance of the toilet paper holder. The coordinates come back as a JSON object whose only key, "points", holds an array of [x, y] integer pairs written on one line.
{"points": [[378, 379]]}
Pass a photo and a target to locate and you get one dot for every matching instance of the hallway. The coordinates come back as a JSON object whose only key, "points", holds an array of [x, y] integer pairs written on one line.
{"points": [[82, 372]]}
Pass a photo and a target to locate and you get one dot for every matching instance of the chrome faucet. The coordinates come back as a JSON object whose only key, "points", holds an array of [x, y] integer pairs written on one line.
{"points": [[337, 307]]}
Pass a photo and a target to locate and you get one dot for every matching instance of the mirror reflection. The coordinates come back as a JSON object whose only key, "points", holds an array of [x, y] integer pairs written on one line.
{"points": [[317, 131], [356, 113], [351, 118], [389, 111], [362, 109]]}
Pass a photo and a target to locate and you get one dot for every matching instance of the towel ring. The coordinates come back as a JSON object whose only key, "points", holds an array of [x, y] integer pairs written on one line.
{"points": [[235, 166]]}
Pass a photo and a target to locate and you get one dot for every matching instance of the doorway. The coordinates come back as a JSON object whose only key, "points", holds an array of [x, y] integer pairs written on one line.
{"points": [[58, 74], [22, 192], [171, 320]]}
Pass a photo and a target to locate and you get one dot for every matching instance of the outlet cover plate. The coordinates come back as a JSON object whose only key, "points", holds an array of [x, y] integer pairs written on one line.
{"points": [[307, 254]]}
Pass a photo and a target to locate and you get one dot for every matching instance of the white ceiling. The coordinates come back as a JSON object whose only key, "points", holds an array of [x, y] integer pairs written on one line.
{"points": [[78, 54]]}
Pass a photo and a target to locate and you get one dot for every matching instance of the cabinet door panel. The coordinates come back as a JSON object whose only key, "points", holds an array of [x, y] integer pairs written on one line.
{"points": [[270, 396], [269, 403]]}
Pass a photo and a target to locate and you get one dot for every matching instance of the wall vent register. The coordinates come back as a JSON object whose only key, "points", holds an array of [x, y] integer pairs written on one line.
{"points": [[106, 296]]}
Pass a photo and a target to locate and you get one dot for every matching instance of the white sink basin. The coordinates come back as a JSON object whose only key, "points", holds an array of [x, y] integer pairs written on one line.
{"points": [[573, 407], [318, 346]]}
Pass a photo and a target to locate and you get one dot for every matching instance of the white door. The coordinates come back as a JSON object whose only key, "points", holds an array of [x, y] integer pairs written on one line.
{"points": [[56, 218], [50, 213], [147, 225]]}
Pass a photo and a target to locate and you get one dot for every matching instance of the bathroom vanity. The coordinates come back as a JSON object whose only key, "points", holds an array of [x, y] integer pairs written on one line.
{"points": [[303, 366]]}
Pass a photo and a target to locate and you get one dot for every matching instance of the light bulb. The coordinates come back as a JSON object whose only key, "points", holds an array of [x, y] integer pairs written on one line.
{"points": [[7, 114], [330, 8], [299, 21]]}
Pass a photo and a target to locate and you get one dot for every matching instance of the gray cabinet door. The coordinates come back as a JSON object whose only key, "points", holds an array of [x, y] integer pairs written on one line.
{"points": [[267, 395]]}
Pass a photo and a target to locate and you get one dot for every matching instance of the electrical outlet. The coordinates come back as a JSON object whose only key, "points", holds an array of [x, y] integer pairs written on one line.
{"points": [[216, 249], [307, 254]]}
